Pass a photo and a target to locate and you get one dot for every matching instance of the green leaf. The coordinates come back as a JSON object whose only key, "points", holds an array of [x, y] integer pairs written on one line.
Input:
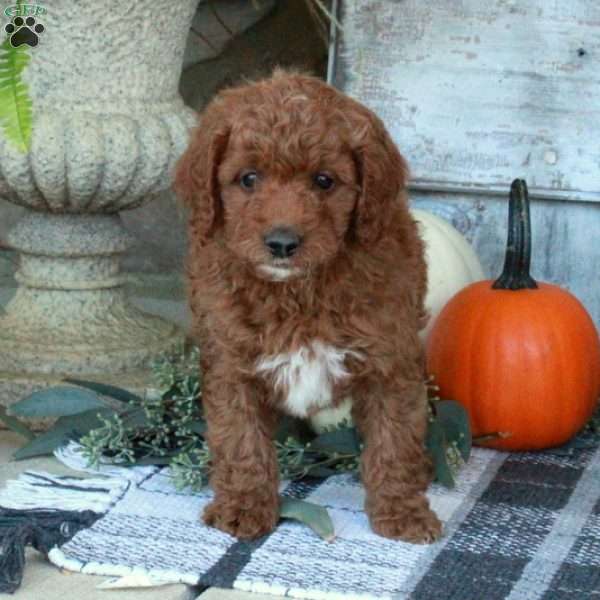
{"points": [[455, 422], [67, 428], [313, 515], [104, 389], [344, 440], [15, 103], [437, 447], [320, 471], [153, 460], [57, 401], [198, 427], [294, 428], [15, 425], [44, 444], [135, 419]]}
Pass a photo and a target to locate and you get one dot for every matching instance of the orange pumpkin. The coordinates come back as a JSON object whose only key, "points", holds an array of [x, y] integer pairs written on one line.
{"points": [[523, 358]]}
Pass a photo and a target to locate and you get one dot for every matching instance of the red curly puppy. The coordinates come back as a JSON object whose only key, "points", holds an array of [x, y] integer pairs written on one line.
{"points": [[307, 281]]}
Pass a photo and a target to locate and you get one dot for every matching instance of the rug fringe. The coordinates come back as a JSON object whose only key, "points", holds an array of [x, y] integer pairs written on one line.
{"points": [[58, 558], [43, 510], [44, 491]]}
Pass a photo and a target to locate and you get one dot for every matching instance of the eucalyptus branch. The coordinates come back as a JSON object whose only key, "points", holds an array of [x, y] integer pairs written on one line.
{"points": [[166, 426]]}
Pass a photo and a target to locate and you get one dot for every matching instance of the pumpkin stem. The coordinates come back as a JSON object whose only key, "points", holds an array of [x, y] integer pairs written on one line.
{"points": [[517, 261]]}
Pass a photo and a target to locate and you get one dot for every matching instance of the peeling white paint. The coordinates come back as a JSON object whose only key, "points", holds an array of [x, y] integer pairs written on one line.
{"points": [[481, 92]]}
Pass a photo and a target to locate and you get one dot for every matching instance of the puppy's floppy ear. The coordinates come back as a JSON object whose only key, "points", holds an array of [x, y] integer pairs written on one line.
{"points": [[196, 174], [383, 174]]}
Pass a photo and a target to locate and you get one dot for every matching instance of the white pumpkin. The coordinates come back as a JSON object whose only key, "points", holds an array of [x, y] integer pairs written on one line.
{"points": [[451, 262], [451, 265]]}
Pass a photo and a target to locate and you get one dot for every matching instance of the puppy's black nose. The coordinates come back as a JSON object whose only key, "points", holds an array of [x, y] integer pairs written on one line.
{"points": [[282, 242]]}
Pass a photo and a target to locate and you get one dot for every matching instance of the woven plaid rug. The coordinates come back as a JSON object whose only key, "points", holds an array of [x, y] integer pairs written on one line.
{"points": [[519, 526]]}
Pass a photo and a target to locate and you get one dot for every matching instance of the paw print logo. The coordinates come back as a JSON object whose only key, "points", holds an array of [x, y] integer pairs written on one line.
{"points": [[24, 31]]}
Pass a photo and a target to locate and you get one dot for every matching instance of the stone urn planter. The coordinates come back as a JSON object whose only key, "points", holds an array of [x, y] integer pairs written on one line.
{"points": [[108, 126]]}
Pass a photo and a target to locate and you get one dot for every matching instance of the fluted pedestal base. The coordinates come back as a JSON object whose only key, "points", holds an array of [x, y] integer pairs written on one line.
{"points": [[80, 333], [70, 315]]}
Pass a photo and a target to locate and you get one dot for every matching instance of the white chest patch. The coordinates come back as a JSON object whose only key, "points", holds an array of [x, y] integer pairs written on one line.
{"points": [[307, 375]]}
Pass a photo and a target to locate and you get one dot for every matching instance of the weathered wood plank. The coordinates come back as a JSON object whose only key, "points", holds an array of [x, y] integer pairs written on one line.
{"points": [[477, 93]]}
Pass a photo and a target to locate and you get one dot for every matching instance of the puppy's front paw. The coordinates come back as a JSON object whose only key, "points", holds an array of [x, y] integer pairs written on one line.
{"points": [[416, 525], [242, 520]]}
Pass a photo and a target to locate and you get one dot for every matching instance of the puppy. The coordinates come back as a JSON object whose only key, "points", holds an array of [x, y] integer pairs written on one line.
{"points": [[306, 283]]}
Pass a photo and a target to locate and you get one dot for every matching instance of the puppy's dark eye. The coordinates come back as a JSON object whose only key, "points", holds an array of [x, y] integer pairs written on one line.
{"points": [[324, 181], [248, 180]]}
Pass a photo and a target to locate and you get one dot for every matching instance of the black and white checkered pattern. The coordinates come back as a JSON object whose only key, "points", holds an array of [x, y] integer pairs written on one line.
{"points": [[518, 527]]}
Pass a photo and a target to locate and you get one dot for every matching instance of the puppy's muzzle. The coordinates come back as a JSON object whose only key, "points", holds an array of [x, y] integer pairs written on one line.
{"points": [[282, 242]]}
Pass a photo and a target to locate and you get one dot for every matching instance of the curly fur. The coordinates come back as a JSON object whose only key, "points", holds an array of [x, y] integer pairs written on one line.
{"points": [[339, 319]]}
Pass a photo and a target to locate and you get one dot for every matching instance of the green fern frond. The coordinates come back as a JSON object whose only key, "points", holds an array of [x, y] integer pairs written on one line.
{"points": [[15, 103]]}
